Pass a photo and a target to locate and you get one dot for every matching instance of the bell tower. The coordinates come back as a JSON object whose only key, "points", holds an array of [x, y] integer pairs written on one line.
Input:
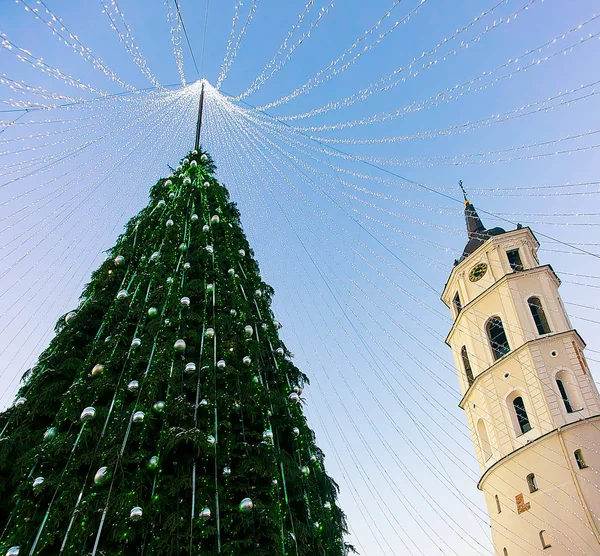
{"points": [[531, 404]]}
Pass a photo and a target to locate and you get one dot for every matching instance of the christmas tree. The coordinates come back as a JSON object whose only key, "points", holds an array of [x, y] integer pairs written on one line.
{"points": [[165, 416]]}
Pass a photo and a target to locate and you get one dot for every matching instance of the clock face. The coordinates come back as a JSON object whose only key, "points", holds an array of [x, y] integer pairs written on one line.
{"points": [[478, 272]]}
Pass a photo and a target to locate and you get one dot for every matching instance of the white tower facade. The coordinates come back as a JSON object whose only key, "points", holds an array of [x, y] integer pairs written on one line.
{"points": [[532, 406]]}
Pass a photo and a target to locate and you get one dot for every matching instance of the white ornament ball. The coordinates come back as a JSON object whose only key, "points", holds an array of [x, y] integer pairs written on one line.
{"points": [[154, 256], [159, 407], [97, 370], [161, 203], [180, 346], [258, 293], [205, 513], [185, 301], [226, 471], [152, 312], [296, 431], [122, 294], [279, 351], [169, 280], [248, 330], [204, 158], [138, 417], [186, 161], [205, 228], [247, 361], [136, 513], [194, 152], [20, 402], [298, 390], [268, 434], [194, 218], [136, 342], [209, 249], [215, 219], [168, 182], [209, 333], [169, 223], [294, 397], [119, 260], [221, 364], [187, 266], [38, 482], [210, 439], [178, 169], [264, 325], [327, 505], [193, 163], [206, 184], [70, 316], [246, 505], [50, 433], [210, 287], [305, 470], [233, 312], [274, 482], [133, 386], [242, 253], [277, 324], [13, 551], [88, 414], [171, 195], [203, 402], [313, 458], [187, 181], [190, 367]]}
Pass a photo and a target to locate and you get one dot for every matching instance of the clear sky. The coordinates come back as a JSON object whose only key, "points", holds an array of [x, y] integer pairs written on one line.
{"points": [[357, 256]]}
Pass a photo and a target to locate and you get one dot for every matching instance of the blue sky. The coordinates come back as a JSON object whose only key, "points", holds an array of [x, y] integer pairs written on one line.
{"points": [[348, 261]]}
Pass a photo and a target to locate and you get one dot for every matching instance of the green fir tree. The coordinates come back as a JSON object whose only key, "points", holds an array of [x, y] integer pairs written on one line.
{"points": [[165, 416]]}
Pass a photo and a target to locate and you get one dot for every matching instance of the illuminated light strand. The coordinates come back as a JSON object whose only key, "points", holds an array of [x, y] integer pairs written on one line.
{"points": [[374, 87], [128, 42], [24, 88], [522, 111], [231, 54], [11, 123], [236, 17], [175, 32], [467, 158], [261, 79], [316, 81], [31, 136], [27, 57], [73, 42]]}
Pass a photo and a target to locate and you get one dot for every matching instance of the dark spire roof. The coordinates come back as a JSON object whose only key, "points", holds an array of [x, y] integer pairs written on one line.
{"points": [[476, 230]]}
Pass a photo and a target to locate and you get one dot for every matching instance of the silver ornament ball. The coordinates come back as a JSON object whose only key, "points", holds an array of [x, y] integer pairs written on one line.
{"points": [[258, 293], [38, 482], [194, 218], [122, 294], [268, 434], [136, 342], [21, 401], [242, 253], [185, 301], [210, 439], [205, 228], [210, 287], [296, 431], [248, 330], [203, 402], [179, 346], [190, 367], [187, 181], [70, 316], [159, 407], [133, 386], [119, 260], [246, 505], [206, 184], [88, 414], [161, 203], [215, 219], [187, 266], [169, 223], [294, 397], [327, 505], [221, 364], [305, 470], [193, 163], [154, 256], [247, 361], [231, 272], [205, 513], [209, 333], [279, 351], [152, 312], [168, 182], [136, 513], [209, 249], [152, 462], [233, 312], [226, 471], [204, 158], [101, 476], [138, 417], [13, 551]]}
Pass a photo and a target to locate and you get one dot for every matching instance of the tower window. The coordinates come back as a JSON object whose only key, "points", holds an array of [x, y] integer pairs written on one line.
{"points": [[497, 337], [532, 483], [514, 260], [484, 440], [457, 303], [544, 540], [467, 365], [563, 395], [539, 316], [504, 552], [579, 459], [498, 507], [521, 414]]}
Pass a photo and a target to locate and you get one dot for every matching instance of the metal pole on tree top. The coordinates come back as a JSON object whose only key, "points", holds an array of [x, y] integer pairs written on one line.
{"points": [[199, 124]]}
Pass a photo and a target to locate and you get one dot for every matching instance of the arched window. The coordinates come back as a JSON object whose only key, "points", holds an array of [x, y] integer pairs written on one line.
{"points": [[579, 459], [484, 440], [539, 316], [531, 482], [521, 415], [498, 507], [568, 391], [467, 365], [544, 540], [497, 337]]}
